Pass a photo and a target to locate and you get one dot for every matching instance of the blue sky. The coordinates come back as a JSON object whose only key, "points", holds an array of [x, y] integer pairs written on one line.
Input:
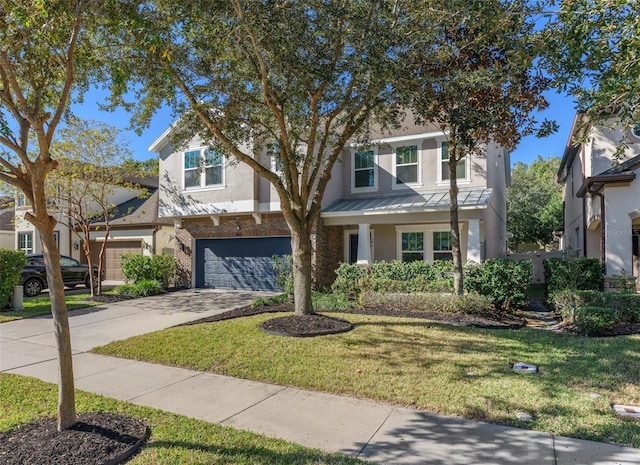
{"points": [[561, 109]]}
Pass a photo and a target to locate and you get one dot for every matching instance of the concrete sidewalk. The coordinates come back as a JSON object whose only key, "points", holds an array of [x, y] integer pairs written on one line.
{"points": [[375, 432]]}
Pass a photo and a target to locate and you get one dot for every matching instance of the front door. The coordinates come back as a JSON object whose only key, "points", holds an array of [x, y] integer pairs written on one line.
{"points": [[353, 248]]}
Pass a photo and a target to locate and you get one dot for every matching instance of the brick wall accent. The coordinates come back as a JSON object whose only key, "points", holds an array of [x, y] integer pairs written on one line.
{"points": [[328, 247], [327, 242]]}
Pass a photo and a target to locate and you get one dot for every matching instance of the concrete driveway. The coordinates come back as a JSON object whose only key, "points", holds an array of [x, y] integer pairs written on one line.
{"points": [[29, 341]]}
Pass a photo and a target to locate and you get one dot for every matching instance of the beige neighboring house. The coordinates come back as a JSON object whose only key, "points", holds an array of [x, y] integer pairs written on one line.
{"points": [[7, 231], [602, 197], [135, 229], [388, 201]]}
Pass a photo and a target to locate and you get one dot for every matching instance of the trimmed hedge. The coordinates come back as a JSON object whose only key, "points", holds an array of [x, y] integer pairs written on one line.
{"points": [[425, 302], [395, 276], [503, 281], [580, 273], [143, 288], [595, 320], [11, 264], [626, 307]]}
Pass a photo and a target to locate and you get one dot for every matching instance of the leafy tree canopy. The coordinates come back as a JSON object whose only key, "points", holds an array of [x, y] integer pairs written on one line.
{"points": [[534, 203]]}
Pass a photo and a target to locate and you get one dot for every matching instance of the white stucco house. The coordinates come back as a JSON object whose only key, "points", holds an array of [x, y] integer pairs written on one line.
{"points": [[602, 196], [387, 201]]}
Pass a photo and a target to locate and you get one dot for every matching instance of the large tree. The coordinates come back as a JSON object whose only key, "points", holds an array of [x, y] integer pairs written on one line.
{"points": [[305, 76], [474, 76], [45, 50], [593, 52], [534, 203]]}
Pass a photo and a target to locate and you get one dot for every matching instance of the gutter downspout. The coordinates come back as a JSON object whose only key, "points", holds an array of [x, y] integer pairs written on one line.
{"points": [[603, 231]]}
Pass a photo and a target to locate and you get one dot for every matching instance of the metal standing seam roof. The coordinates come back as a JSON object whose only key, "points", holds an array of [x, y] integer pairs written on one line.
{"points": [[409, 203]]}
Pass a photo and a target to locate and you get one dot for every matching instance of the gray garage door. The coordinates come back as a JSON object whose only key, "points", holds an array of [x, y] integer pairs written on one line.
{"points": [[239, 263]]}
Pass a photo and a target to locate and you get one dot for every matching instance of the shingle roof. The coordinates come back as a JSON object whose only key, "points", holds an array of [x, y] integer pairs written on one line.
{"points": [[409, 203], [137, 211]]}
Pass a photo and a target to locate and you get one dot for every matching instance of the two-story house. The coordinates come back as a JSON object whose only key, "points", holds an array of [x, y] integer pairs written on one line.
{"points": [[601, 195], [387, 201]]}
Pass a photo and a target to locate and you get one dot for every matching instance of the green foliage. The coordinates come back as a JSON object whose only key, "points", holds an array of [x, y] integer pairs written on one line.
{"points": [[394, 276], [11, 264], [505, 282], [137, 267], [595, 320], [626, 306], [165, 267], [592, 47], [579, 273], [283, 266], [142, 288], [428, 302], [326, 302], [266, 301], [534, 202]]}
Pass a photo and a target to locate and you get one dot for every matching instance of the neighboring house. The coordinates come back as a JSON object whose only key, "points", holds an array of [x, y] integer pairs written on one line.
{"points": [[135, 229], [388, 201], [7, 214], [602, 196]]}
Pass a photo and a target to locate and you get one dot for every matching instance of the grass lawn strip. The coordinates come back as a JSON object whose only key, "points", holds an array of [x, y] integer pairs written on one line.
{"points": [[40, 306], [425, 365], [174, 439]]}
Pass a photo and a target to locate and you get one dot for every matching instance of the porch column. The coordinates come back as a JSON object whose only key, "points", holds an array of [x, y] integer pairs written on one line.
{"points": [[364, 245], [473, 241]]}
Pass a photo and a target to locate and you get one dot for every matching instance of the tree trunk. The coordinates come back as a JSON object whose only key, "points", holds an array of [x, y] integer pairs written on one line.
{"points": [[301, 251], [458, 276], [66, 389]]}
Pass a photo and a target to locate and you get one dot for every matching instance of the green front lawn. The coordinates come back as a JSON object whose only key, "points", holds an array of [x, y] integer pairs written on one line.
{"points": [[40, 306], [174, 439], [426, 365]]}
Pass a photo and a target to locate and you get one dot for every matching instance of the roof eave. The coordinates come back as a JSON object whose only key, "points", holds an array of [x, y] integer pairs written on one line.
{"points": [[601, 180]]}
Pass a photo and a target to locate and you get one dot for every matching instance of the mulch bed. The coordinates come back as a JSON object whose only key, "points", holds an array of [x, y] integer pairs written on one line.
{"points": [[99, 438]]}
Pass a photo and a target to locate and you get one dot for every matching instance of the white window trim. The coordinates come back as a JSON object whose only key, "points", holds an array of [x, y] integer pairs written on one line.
{"points": [[428, 230], [31, 233], [409, 185], [202, 186], [445, 182], [373, 188]]}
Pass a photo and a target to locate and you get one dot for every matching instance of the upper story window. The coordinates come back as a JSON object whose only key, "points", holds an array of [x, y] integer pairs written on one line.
{"points": [[203, 168], [21, 200], [276, 160], [406, 165], [25, 242], [461, 168], [364, 170]]}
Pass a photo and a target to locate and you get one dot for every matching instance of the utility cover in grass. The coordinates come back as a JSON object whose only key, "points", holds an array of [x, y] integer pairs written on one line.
{"points": [[627, 410], [524, 367]]}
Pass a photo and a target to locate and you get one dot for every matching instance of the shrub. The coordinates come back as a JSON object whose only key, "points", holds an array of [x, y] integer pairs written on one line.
{"points": [[595, 320], [346, 279], [428, 302], [567, 301], [626, 306], [580, 273], [143, 288], [137, 268], [394, 276], [503, 281], [283, 266], [164, 267], [11, 264]]}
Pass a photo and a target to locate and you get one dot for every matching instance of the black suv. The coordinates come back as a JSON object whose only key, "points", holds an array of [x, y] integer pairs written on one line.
{"points": [[34, 275]]}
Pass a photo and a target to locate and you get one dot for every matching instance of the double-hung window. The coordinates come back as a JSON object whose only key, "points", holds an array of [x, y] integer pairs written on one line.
{"points": [[412, 246], [25, 242], [364, 171], [442, 245], [203, 168], [406, 164], [461, 167]]}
